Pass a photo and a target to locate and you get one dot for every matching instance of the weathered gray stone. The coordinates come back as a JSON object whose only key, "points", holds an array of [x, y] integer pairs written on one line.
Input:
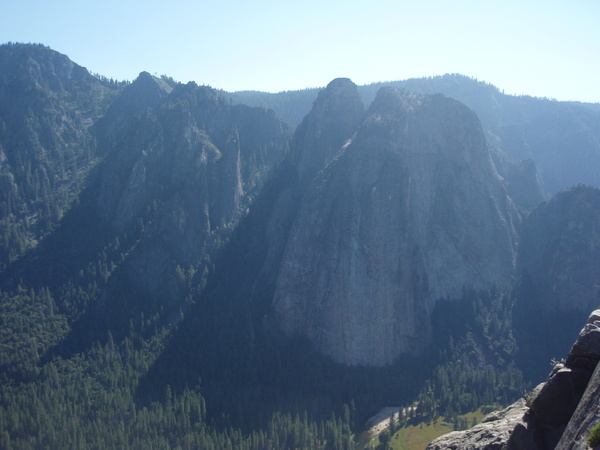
{"points": [[584, 418], [559, 397], [410, 211], [557, 414], [594, 316], [489, 435], [334, 118], [526, 434], [587, 344]]}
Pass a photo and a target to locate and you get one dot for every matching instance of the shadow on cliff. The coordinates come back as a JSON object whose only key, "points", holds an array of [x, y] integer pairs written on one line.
{"points": [[227, 343]]}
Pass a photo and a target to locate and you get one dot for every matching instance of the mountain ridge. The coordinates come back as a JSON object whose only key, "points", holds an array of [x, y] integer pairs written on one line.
{"points": [[373, 256], [517, 127]]}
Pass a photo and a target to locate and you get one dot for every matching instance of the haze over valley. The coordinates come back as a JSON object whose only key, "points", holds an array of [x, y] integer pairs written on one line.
{"points": [[183, 266]]}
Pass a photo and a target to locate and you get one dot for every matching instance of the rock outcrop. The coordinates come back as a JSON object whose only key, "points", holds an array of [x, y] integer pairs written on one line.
{"points": [[410, 210], [491, 434], [563, 138], [585, 417], [557, 414]]}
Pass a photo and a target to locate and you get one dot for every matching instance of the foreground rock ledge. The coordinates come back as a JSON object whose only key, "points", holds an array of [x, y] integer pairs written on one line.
{"points": [[559, 413]]}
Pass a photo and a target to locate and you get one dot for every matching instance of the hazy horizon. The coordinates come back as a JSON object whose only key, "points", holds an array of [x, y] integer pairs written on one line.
{"points": [[543, 49]]}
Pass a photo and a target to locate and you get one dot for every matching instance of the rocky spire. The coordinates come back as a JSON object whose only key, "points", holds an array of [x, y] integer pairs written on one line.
{"points": [[411, 211], [335, 116]]}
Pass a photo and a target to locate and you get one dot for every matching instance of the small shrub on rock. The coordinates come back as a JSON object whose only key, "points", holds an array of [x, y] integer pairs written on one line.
{"points": [[593, 439]]}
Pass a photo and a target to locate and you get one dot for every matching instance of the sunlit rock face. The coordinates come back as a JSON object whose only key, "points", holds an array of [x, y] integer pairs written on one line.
{"points": [[410, 211]]}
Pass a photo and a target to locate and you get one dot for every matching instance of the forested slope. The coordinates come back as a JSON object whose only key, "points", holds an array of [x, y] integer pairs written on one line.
{"points": [[144, 226]]}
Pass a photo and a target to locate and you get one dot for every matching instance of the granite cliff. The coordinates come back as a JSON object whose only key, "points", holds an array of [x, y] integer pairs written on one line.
{"points": [[334, 118], [185, 163], [559, 136], [410, 210], [158, 243], [336, 114], [560, 252]]}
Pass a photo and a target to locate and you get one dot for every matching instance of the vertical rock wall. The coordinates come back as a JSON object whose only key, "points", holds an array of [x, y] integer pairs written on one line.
{"points": [[410, 211]]}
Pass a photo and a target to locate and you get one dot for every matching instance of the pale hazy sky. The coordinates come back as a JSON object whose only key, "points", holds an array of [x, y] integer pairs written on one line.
{"points": [[542, 48]]}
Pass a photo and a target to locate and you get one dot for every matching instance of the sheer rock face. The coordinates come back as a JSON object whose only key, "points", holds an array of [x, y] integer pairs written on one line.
{"points": [[410, 211], [560, 251], [184, 166], [335, 116], [586, 353]]}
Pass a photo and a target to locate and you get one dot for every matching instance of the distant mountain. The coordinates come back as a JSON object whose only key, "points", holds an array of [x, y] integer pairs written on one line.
{"points": [[47, 105], [558, 136], [291, 106]]}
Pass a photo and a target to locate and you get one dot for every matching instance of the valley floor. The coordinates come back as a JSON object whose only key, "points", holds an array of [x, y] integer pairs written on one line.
{"points": [[411, 437]]}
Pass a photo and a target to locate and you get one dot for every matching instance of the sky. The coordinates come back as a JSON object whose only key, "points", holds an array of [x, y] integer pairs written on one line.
{"points": [[545, 48]]}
